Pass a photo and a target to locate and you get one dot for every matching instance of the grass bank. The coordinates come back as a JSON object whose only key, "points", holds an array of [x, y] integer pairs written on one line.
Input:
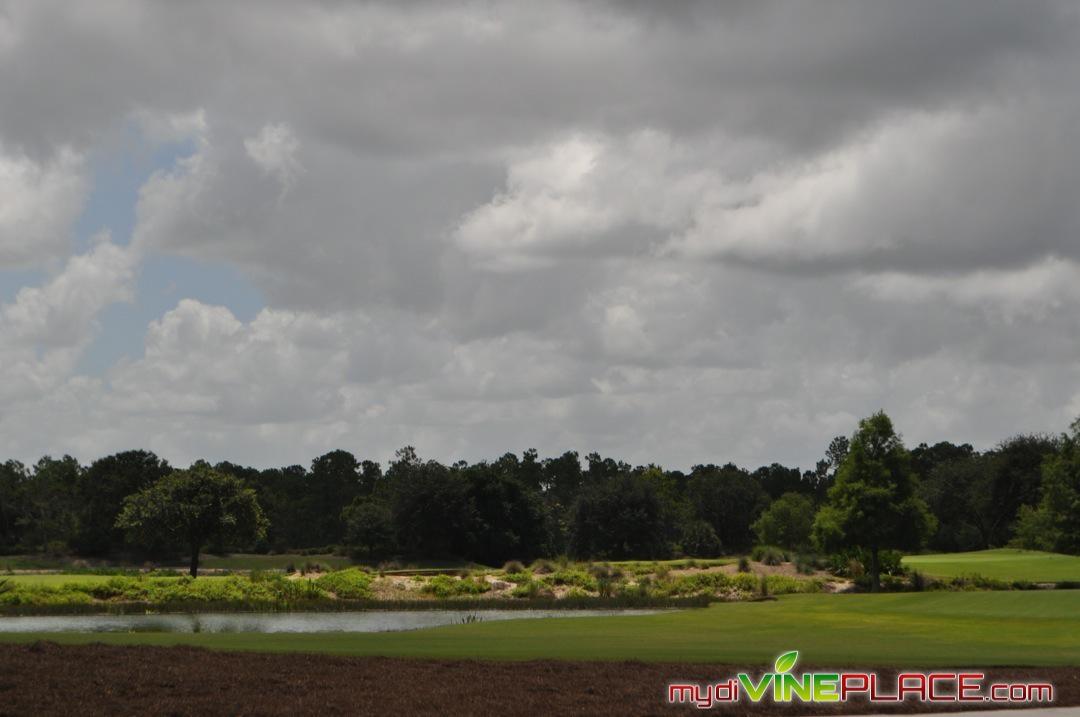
{"points": [[1001, 564]]}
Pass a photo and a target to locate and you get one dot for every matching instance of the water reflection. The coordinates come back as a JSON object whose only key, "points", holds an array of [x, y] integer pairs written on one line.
{"points": [[369, 621]]}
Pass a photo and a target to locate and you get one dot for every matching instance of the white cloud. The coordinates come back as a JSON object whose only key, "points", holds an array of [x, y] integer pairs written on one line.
{"points": [[274, 149], [46, 328], [569, 196], [40, 202], [1031, 292], [162, 127]]}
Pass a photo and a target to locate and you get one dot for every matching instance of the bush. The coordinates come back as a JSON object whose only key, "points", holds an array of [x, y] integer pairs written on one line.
{"points": [[744, 564], [769, 555], [446, 586], [349, 584], [918, 581], [531, 589], [607, 579], [805, 564], [513, 566], [697, 584], [699, 539], [574, 578], [517, 578]]}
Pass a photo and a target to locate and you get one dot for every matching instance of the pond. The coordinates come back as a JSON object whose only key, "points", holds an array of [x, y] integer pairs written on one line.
{"points": [[368, 621]]}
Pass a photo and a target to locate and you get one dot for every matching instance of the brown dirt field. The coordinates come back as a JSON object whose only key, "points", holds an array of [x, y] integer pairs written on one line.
{"points": [[48, 679]]}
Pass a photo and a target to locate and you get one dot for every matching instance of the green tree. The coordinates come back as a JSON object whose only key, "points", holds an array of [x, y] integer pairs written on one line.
{"points": [[787, 522], [13, 478], [102, 490], [619, 517], [369, 527], [730, 500], [699, 540], [956, 492], [1055, 524], [874, 503], [49, 512], [194, 507]]}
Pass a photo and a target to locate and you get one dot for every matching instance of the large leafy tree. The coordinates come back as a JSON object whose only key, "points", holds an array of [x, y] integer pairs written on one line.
{"points": [[369, 527], [730, 500], [620, 517], [955, 492], [874, 503], [49, 504], [194, 507], [429, 504], [1012, 480], [1055, 523], [333, 483], [787, 522], [102, 490]]}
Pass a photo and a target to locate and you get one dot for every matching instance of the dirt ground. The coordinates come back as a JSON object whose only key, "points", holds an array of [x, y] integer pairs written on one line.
{"points": [[48, 679]]}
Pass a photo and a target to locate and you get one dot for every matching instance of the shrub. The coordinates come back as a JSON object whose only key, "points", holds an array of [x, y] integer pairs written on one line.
{"points": [[639, 589], [769, 555], [531, 589], [574, 578], [607, 578], [918, 581], [744, 582], [744, 564], [513, 566], [349, 584], [446, 586], [786, 585], [696, 584], [805, 564]]}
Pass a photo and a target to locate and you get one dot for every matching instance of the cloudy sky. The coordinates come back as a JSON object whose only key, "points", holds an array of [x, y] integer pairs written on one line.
{"points": [[668, 231]]}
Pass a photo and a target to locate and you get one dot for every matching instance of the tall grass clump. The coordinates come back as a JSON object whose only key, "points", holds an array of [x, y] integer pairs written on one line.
{"points": [[446, 586]]}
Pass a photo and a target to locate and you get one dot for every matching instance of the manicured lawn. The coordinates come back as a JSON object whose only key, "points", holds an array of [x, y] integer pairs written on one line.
{"points": [[236, 561], [1003, 564], [243, 561], [904, 629]]}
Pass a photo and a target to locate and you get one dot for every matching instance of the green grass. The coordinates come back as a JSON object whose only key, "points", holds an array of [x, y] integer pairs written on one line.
{"points": [[1002, 564], [902, 629], [236, 561], [241, 561], [57, 579]]}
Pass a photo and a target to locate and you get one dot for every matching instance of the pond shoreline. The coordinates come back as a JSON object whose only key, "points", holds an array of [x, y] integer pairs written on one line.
{"points": [[315, 606], [293, 622]]}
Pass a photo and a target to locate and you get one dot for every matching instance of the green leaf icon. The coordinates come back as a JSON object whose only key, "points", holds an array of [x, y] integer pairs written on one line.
{"points": [[786, 661]]}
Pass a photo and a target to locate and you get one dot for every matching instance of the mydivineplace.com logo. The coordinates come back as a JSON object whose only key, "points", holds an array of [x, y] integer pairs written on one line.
{"points": [[783, 686]]}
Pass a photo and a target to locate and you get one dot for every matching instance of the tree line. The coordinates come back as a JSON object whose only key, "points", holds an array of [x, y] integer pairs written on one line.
{"points": [[868, 493]]}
